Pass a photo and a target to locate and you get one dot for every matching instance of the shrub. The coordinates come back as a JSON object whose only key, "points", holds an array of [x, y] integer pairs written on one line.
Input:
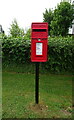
{"points": [[16, 50], [60, 52]]}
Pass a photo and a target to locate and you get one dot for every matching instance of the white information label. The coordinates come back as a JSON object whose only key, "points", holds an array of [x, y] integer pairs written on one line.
{"points": [[38, 48]]}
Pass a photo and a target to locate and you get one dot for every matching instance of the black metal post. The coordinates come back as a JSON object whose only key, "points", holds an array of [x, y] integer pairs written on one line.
{"points": [[37, 83]]}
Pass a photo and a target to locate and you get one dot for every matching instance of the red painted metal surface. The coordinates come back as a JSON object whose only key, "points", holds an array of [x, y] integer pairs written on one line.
{"points": [[39, 42]]}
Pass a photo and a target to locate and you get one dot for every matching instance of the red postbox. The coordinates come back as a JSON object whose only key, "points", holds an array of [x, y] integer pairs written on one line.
{"points": [[39, 41]]}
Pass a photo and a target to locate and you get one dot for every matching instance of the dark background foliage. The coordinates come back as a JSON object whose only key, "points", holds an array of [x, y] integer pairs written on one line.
{"points": [[60, 19]]}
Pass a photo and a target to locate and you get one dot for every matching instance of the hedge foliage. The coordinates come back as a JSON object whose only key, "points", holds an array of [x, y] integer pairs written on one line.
{"points": [[60, 52]]}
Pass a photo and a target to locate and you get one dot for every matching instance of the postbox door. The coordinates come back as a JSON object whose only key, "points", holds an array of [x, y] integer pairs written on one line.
{"points": [[39, 50]]}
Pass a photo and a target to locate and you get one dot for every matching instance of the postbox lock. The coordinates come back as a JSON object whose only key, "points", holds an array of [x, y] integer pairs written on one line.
{"points": [[39, 39]]}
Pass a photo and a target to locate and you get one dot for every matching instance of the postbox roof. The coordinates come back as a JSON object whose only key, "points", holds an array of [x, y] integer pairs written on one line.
{"points": [[40, 25]]}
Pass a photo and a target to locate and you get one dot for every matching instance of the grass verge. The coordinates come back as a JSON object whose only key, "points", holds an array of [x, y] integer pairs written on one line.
{"points": [[18, 96]]}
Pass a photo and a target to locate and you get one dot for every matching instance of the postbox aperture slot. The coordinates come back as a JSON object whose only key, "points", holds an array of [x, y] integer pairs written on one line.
{"points": [[38, 30]]}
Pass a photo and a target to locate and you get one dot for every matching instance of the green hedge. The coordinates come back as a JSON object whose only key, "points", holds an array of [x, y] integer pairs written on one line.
{"points": [[60, 52], [16, 50]]}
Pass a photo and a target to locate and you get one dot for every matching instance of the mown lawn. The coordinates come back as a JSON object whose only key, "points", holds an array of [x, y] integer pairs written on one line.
{"points": [[18, 96]]}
